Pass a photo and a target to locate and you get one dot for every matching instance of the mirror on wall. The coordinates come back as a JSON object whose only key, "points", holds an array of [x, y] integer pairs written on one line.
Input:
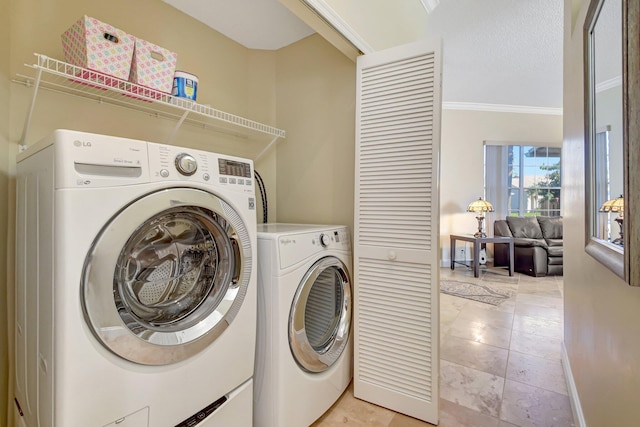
{"points": [[611, 134]]}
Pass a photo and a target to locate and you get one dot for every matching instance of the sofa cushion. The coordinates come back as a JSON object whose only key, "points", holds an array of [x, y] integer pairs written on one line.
{"points": [[555, 251], [501, 228], [554, 242], [529, 243], [526, 227], [551, 226], [554, 269]]}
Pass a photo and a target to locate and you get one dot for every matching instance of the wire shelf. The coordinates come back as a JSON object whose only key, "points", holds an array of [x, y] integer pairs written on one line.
{"points": [[71, 79]]}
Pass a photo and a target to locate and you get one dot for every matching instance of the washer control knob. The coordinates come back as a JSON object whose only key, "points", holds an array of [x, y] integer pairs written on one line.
{"points": [[164, 173], [186, 164], [325, 240]]}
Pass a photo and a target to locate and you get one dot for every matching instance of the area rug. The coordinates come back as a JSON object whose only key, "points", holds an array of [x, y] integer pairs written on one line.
{"points": [[475, 291]]}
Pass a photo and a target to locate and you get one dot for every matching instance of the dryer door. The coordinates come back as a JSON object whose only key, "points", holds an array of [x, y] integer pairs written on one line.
{"points": [[320, 317], [166, 276]]}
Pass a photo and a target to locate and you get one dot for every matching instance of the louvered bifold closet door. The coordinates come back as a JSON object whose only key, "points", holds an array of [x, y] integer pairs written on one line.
{"points": [[396, 229]]}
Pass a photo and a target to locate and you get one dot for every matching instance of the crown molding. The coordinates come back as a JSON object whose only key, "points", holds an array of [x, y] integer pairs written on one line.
{"points": [[500, 108], [340, 25], [608, 84]]}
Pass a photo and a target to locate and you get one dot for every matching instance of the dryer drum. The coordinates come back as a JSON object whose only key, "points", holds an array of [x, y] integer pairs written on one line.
{"points": [[323, 310]]}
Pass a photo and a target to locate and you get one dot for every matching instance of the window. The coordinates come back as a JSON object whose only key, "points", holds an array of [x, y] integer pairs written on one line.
{"points": [[523, 180]]}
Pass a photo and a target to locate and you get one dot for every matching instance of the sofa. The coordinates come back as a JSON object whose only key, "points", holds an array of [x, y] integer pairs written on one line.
{"points": [[537, 242]]}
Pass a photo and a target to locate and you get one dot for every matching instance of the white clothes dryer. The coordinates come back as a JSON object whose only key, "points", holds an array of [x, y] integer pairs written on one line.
{"points": [[303, 351], [136, 285]]}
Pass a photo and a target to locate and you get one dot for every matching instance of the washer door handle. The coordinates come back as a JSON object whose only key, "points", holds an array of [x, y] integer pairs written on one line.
{"points": [[237, 260]]}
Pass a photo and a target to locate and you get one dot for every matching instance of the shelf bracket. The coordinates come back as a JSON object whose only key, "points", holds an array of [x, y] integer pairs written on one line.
{"points": [[177, 126], [273, 141], [27, 122]]}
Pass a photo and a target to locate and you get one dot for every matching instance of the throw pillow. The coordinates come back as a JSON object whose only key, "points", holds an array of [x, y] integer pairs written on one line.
{"points": [[551, 226], [524, 227]]}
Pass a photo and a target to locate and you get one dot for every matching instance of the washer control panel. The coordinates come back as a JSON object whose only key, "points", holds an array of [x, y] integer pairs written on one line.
{"points": [[92, 160], [186, 164], [170, 163]]}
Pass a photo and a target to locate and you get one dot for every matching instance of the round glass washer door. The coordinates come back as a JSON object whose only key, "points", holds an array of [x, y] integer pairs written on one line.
{"points": [[166, 276], [320, 316]]}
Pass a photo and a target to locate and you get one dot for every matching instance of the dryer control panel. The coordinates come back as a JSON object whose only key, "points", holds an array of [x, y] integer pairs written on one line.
{"points": [[294, 248]]}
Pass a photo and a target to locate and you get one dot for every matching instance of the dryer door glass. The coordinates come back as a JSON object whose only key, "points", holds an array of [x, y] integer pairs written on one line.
{"points": [[166, 276], [320, 316]]}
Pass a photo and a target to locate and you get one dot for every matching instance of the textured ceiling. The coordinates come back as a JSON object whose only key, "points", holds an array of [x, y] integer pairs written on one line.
{"points": [[506, 52], [501, 51]]}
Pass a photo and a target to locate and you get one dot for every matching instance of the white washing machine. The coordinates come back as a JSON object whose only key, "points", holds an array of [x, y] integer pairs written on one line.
{"points": [[136, 285], [303, 351]]}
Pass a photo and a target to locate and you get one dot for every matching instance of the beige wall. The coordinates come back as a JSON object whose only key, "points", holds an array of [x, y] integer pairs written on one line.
{"points": [[316, 105], [601, 313], [4, 207], [262, 100], [462, 160]]}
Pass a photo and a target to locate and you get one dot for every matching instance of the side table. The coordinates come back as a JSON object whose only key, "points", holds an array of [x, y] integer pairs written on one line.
{"points": [[477, 243]]}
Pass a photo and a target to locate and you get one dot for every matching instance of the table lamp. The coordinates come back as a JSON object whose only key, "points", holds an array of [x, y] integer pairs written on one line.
{"points": [[616, 205], [480, 207]]}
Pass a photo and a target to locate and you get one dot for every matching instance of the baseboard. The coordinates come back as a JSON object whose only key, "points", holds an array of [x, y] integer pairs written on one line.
{"points": [[578, 416]]}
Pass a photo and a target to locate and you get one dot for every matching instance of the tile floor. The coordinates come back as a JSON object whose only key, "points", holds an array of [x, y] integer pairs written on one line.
{"points": [[500, 366]]}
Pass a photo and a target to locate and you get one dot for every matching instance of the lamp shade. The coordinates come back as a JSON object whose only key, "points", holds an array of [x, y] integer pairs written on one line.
{"points": [[480, 206], [613, 205]]}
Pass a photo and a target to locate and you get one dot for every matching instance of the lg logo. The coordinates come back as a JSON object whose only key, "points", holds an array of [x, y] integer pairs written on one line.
{"points": [[81, 143]]}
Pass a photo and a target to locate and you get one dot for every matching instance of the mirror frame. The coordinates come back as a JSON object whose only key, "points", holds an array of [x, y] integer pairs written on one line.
{"points": [[624, 263]]}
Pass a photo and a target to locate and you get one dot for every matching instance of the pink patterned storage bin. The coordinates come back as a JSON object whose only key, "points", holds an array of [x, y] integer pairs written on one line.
{"points": [[153, 66], [101, 47]]}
